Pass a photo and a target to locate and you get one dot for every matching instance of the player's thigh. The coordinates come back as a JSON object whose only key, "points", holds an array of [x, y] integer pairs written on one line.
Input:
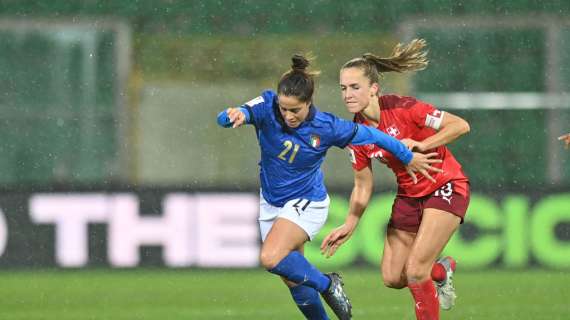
{"points": [[436, 229], [397, 247], [298, 221], [443, 211], [285, 236], [402, 228], [308, 215]]}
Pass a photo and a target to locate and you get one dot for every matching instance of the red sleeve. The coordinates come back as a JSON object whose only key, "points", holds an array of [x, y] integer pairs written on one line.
{"points": [[358, 158], [426, 115]]}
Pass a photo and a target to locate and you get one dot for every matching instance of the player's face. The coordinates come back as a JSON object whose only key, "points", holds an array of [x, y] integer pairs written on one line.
{"points": [[357, 91], [293, 111]]}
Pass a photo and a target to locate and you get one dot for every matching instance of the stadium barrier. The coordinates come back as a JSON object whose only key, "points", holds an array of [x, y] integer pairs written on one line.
{"points": [[177, 229]]}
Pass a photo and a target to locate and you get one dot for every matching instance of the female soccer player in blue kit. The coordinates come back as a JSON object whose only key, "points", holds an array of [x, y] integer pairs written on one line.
{"points": [[294, 137]]}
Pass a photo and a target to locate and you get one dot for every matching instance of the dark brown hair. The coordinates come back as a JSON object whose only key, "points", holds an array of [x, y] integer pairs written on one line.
{"points": [[298, 81], [410, 57]]}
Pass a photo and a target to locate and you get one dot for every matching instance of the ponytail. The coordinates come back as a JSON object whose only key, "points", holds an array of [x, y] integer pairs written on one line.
{"points": [[410, 57], [298, 81]]}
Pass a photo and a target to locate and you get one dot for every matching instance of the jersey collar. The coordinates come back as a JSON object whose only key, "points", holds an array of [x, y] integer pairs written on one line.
{"points": [[312, 113]]}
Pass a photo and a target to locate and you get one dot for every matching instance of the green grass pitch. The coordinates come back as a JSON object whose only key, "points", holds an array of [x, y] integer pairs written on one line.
{"points": [[255, 294]]}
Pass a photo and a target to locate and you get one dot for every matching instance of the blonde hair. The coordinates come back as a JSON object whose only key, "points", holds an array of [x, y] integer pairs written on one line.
{"points": [[409, 57]]}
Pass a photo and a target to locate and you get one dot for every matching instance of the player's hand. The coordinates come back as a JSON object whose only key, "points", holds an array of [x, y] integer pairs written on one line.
{"points": [[413, 145], [236, 117], [335, 239], [422, 163], [566, 139]]}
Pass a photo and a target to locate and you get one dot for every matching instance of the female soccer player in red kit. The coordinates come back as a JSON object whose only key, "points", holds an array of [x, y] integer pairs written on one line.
{"points": [[425, 213]]}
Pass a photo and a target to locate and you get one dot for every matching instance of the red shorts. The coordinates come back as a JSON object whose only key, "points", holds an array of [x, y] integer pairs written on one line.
{"points": [[452, 197]]}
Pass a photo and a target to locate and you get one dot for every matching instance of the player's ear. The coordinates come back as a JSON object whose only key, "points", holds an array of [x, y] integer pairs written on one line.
{"points": [[374, 89]]}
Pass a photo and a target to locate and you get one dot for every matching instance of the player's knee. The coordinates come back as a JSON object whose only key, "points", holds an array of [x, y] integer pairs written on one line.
{"points": [[269, 259], [393, 281], [417, 272]]}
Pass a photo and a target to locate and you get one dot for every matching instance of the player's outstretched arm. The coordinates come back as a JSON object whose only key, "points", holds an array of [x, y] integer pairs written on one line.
{"points": [[233, 117], [414, 162], [367, 135], [566, 139], [359, 199]]}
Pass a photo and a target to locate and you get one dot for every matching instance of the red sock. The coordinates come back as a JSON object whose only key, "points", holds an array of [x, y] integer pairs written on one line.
{"points": [[438, 272], [425, 296]]}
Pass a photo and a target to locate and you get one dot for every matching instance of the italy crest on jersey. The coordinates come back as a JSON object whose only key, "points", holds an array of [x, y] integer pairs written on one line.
{"points": [[315, 141]]}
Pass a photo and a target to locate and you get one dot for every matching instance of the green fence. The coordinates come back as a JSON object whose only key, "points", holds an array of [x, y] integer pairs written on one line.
{"points": [[506, 149], [247, 17], [514, 147], [483, 59], [58, 105], [62, 117]]}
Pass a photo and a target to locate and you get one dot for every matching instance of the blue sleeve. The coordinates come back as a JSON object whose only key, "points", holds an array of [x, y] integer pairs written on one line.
{"points": [[344, 131], [368, 135], [224, 120], [260, 108], [256, 110]]}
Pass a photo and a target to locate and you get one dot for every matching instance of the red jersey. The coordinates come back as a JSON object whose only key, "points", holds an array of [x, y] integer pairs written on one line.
{"points": [[406, 117]]}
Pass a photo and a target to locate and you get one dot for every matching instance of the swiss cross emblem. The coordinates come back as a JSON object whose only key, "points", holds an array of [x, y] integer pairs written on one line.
{"points": [[436, 113], [393, 131]]}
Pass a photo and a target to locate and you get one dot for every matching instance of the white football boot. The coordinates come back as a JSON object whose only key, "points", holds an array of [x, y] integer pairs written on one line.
{"points": [[445, 289]]}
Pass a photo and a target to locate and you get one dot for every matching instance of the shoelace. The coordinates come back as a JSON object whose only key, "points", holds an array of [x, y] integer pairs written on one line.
{"points": [[446, 287]]}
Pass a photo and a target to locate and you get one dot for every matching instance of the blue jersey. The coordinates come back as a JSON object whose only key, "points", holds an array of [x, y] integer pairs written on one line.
{"points": [[291, 158]]}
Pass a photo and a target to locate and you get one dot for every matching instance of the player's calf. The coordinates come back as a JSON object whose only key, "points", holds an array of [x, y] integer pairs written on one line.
{"points": [[309, 302]]}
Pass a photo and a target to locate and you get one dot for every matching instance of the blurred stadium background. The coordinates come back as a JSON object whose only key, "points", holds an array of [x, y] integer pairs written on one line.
{"points": [[114, 172]]}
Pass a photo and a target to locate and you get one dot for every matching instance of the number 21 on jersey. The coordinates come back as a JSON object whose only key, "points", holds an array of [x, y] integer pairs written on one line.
{"points": [[288, 144]]}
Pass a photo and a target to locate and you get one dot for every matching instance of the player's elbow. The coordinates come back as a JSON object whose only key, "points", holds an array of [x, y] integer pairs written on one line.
{"points": [[464, 127]]}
